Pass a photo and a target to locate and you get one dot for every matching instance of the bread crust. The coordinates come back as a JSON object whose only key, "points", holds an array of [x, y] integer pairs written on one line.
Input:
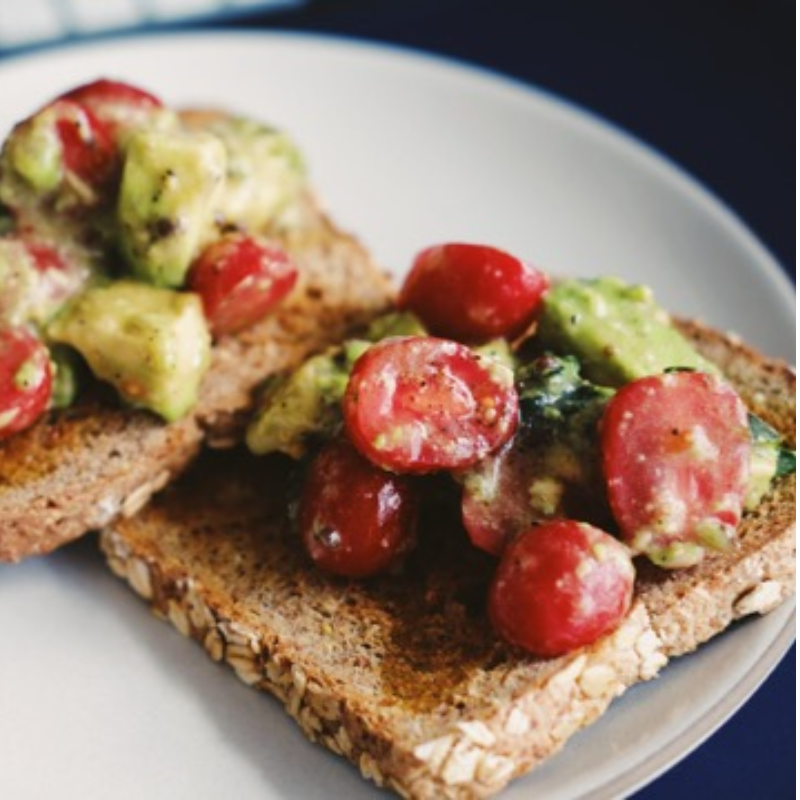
{"points": [[75, 470], [402, 674]]}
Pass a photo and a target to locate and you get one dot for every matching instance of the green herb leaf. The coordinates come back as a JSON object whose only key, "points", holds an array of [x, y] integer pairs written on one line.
{"points": [[786, 462]]}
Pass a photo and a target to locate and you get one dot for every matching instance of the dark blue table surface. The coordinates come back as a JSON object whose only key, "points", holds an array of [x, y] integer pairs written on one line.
{"points": [[710, 84]]}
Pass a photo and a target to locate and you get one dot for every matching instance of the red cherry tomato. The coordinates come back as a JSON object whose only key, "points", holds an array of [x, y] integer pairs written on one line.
{"points": [[26, 380], [88, 149], [420, 404], [472, 293], [355, 519], [115, 103], [240, 279], [560, 586], [495, 499], [104, 92], [676, 456]]}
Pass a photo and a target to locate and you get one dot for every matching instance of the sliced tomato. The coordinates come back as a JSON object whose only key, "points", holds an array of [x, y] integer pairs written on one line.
{"points": [[473, 293], [115, 103], [676, 456], [421, 404], [88, 149], [105, 92], [560, 586], [495, 499], [240, 280], [26, 380], [355, 519]]}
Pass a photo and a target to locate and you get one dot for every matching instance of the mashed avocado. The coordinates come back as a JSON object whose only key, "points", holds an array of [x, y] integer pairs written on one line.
{"points": [[616, 330]]}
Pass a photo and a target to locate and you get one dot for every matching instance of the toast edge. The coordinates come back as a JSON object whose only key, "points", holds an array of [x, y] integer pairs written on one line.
{"points": [[474, 758]]}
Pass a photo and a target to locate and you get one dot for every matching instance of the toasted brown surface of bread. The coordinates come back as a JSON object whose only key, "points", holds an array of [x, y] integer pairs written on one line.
{"points": [[75, 470], [402, 673]]}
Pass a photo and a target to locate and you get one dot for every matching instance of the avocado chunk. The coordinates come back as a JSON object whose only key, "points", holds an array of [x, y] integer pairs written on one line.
{"points": [[615, 329], [394, 323], [151, 344], [171, 187], [264, 175], [33, 154], [768, 460], [301, 405]]}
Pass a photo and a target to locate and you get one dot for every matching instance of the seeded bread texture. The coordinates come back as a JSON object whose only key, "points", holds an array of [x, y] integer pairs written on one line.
{"points": [[76, 470], [402, 673]]}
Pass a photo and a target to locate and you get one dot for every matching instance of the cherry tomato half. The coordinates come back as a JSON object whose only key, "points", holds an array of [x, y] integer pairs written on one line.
{"points": [[420, 404], [26, 380], [472, 293], [355, 519], [560, 586], [240, 280], [88, 149], [114, 103], [676, 456], [495, 499]]}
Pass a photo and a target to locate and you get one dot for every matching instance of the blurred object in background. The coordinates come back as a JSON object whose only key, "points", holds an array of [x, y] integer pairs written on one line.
{"points": [[32, 22]]}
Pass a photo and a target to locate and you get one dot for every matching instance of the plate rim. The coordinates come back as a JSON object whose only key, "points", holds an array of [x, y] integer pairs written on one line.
{"points": [[595, 125]]}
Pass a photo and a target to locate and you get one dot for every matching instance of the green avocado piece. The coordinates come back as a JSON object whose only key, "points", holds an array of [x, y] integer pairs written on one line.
{"points": [[615, 329], [768, 460], [151, 344], [32, 158], [67, 373], [171, 187], [300, 405], [264, 174], [394, 323]]}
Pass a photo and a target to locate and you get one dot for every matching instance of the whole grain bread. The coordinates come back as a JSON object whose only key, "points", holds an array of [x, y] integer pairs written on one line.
{"points": [[76, 470], [402, 674]]}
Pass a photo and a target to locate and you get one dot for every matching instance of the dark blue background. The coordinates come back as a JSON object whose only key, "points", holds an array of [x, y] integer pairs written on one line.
{"points": [[709, 83]]}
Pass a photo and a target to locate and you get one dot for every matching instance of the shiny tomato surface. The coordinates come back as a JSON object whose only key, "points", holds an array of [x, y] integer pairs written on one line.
{"points": [[26, 379], [421, 404], [473, 293], [561, 586], [676, 456], [354, 518], [240, 279]]}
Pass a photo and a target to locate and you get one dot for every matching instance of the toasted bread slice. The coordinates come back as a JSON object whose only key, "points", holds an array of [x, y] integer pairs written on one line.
{"points": [[75, 470], [402, 673]]}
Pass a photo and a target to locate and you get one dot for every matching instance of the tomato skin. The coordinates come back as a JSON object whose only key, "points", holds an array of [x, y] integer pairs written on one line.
{"points": [[26, 380], [560, 586], [240, 279], [472, 293], [355, 520], [499, 508], [676, 457], [105, 93], [118, 106], [419, 404], [88, 149]]}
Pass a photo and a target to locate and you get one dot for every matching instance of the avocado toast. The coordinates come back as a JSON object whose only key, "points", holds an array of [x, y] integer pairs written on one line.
{"points": [[104, 453], [402, 673]]}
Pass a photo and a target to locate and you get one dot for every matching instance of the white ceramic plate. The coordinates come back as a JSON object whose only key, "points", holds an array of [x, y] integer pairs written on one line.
{"points": [[99, 700]]}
